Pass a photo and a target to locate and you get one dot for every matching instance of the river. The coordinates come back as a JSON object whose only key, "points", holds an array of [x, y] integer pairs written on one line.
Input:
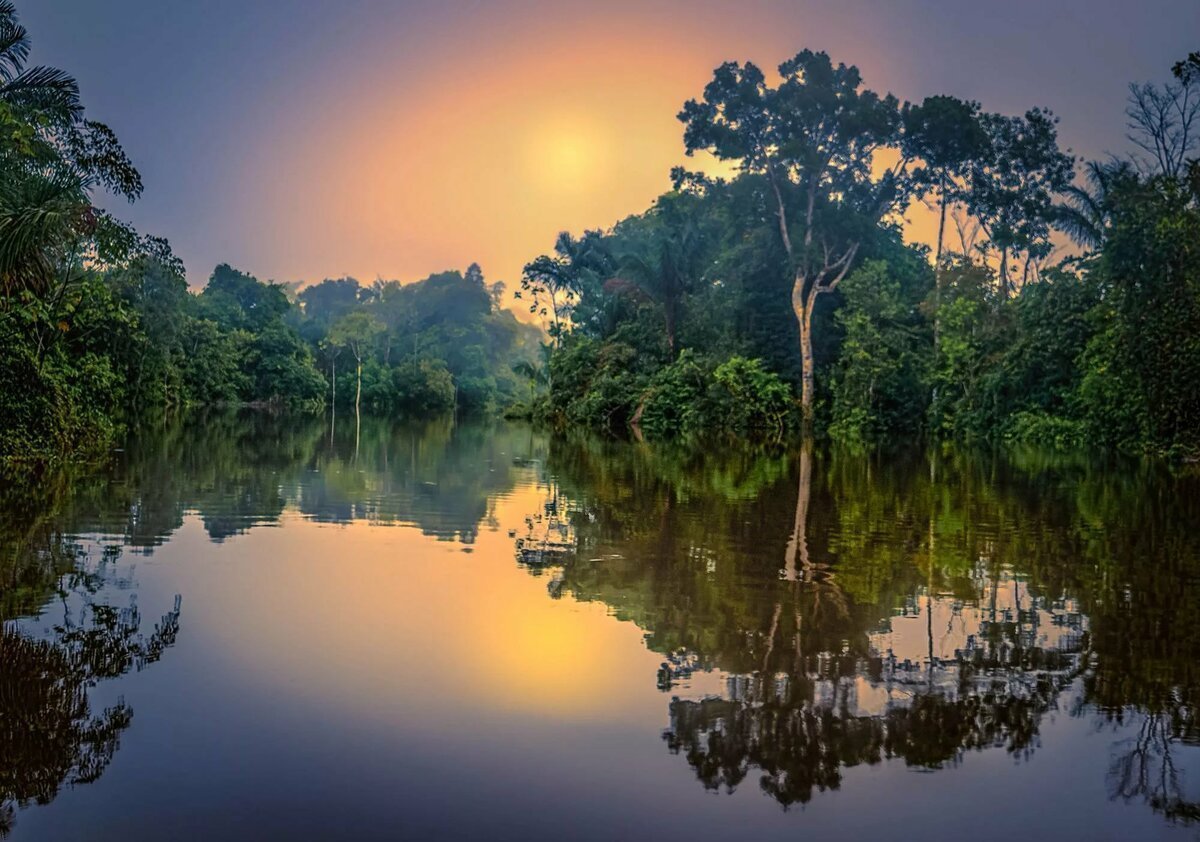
{"points": [[245, 626]]}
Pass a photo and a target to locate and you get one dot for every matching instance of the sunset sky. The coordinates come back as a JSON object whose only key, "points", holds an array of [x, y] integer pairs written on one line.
{"points": [[307, 139]]}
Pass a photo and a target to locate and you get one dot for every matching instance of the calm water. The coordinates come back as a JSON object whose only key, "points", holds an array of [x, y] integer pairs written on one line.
{"points": [[245, 628]]}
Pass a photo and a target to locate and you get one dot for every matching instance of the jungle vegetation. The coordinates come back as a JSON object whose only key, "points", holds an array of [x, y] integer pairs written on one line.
{"points": [[98, 325], [782, 298], [1059, 304]]}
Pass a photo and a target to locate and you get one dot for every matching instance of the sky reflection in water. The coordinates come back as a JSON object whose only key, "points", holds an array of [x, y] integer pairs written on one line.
{"points": [[744, 642]]}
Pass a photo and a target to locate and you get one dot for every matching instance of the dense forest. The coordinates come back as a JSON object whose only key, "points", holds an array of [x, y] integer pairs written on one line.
{"points": [[1060, 303], [98, 324]]}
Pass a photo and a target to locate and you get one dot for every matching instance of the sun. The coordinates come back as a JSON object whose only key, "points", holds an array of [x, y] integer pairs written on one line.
{"points": [[568, 154]]}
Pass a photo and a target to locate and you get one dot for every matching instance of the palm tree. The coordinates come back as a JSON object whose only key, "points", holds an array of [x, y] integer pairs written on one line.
{"points": [[554, 282], [42, 202], [537, 372], [39, 217], [47, 91], [1086, 214], [664, 272], [50, 160]]}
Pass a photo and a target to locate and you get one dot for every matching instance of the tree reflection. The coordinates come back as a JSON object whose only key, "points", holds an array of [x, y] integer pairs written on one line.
{"points": [[241, 469], [815, 610], [1143, 768], [235, 471], [50, 735], [865, 608]]}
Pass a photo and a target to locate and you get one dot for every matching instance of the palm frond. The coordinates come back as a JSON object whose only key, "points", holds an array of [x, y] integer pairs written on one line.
{"points": [[37, 215], [565, 245], [1086, 213], [1079, 226], [14, 42], [47, 90]]}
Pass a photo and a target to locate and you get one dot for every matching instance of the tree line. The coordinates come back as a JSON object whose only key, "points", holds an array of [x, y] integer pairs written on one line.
{"points": [[782, 298], [1059, 302], [97, 323]]}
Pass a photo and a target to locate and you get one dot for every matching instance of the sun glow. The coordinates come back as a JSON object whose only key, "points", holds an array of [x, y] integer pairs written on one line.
{"points": [[568, 154], [528, 145]]}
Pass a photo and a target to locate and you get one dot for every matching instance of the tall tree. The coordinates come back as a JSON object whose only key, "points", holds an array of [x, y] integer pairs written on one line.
{"points": [[666, 266], [553, 282], [356, 331], [812, 140], [1163, 121], [51, 161], [1012, 187], [945, 135]]}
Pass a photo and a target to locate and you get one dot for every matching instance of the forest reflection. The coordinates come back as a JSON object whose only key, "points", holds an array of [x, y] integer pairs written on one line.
{"points": [[814, 610], [51, 736], [859, 609], [239, 470], [63, 533]]}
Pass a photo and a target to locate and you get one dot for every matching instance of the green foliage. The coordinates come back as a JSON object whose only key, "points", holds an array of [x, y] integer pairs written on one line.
{"points": [[970, 339], [751, 399], [211, 366], [1142, 365], [880, 385], [597, 384], [421, 388], [447, 324], [704, 314], [1037, 427], [677, 399], [60, 393], [279, 367]]}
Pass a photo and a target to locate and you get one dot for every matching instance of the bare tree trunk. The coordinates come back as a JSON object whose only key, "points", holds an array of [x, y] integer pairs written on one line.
{"points": [[333, 403], [796, 558], [932, 558], [803, 309], [937, 271], [357, 416], [771, 640], [358, 390], [669, 317]]}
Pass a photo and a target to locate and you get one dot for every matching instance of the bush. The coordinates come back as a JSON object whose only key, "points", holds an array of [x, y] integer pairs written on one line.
{"points": [[747, 398], [55, 409], [1036, 427], [596, 385], [676, 402], [422, 387]]}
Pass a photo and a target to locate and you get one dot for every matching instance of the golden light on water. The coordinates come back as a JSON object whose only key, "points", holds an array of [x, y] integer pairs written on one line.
{"points": [[483, 632]]}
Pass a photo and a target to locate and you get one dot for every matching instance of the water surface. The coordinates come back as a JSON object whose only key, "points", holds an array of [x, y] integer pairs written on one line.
{"points": [[245, 627]]}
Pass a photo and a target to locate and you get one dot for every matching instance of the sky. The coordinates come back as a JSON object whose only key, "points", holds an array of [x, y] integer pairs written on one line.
{"points": [[305, 139]]}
